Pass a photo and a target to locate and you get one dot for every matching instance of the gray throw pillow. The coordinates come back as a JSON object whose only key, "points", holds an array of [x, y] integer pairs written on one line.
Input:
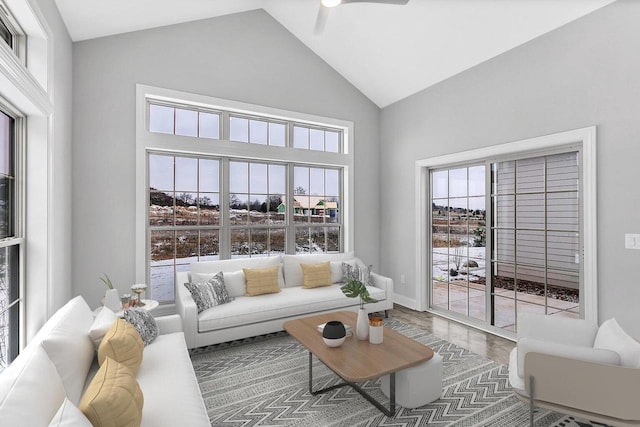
{"points": [[209, 294], [355, 272], [144, 323]]}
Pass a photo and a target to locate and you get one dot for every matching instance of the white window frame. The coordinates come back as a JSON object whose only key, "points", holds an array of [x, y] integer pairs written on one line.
{"points": [[25, 83], [19, 40], [18, 238], [158, 142], [585, 138]]}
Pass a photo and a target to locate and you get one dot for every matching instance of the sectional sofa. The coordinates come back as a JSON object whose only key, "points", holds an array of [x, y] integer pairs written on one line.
{"points": [[248, 316], [44, 385]]}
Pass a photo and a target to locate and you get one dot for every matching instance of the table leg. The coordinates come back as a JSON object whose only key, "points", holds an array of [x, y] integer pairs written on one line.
{"points": [[392, 393], [392, 390], [311, 373]]}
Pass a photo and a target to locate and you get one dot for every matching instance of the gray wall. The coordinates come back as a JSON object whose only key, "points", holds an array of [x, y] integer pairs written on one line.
{"points": [[246, 57], [585, 73]]}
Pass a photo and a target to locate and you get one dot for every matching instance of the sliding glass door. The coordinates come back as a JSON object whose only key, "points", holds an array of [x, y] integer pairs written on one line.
{"points": [[517, 219]]}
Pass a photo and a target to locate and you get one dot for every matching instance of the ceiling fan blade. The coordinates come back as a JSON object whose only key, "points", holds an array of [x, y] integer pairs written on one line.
{"points": [[321, 20], [397, 2]]}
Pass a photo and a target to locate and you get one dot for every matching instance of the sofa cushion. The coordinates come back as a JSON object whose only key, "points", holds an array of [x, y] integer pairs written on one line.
{"points": [[336, 271], [167, 380], [233, 265], [113, 397], [564, 330], [289, 302], [72, 356], [352, 271], [293, 271], [69, 415], [31, 390], [261, 281], [210, 293], [144, 323], [123, 344], [233, 281], [612, 337], [101, 324], [316, 275], [69, 346], [586, 354]]}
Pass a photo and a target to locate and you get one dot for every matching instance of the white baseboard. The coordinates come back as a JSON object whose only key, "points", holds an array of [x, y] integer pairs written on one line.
{"points": [[405, 301]]}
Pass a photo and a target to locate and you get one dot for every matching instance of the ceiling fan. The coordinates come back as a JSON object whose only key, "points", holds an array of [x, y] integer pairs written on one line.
{"points": [[327, 5]]}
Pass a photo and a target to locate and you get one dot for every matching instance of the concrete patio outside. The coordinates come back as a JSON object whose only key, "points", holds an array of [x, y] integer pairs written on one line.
{"points": [[471, 301]]}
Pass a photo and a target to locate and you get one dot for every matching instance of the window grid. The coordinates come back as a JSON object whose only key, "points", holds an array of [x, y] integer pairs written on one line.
{"points": [[241, 128], [253, 222], [533, 239], [539, 243], [174, 120], [183, 216]]}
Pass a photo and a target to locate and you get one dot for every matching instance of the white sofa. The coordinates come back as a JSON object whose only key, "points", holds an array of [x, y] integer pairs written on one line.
{"points": [[250, 316], [58, 363], [575, 367]]}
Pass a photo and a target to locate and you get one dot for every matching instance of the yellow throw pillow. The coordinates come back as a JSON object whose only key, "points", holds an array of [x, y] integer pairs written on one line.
{"points": [[113, 398], [262, 281], [123, 344], [316, 275]]}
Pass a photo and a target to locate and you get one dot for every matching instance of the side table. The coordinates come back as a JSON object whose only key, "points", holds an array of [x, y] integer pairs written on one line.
{"points": [[149, 305]]}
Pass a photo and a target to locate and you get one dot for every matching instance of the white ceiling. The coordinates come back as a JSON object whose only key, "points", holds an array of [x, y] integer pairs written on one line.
{"points": [[388, 52]]}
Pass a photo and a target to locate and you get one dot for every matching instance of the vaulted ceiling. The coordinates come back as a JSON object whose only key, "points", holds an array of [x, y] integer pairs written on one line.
{"points": [[387, 51]]}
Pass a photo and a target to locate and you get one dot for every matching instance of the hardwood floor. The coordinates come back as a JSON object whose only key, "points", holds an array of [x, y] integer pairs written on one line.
{"points": [[483, 343]]}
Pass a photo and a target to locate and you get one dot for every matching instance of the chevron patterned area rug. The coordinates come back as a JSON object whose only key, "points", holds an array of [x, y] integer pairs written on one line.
{"points": [[263, 381]]}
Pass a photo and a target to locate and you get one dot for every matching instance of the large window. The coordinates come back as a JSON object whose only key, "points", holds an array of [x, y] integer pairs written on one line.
{"points": [[25, 138], [10, 243], [244, 184]]}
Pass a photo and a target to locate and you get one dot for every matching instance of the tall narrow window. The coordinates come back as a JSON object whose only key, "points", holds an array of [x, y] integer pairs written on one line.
{"points": [[184, 217], [257, 208], [10, 242], [316, 207]]}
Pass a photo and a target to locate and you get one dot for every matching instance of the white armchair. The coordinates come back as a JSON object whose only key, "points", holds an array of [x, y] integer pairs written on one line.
{"points": [[574, 367]]}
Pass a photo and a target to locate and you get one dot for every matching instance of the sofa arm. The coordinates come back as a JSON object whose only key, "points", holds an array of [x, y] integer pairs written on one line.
{"points": [[602, 389], [187, 310], [169, 324], [386, 284], [586, 354], [563, 330]]}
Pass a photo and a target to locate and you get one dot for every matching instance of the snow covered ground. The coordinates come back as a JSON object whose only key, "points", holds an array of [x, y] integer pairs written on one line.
{"points": [[443, 263]]}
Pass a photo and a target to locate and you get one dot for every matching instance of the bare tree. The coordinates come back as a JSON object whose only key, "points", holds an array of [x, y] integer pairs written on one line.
{"points": [[457, 257]]}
